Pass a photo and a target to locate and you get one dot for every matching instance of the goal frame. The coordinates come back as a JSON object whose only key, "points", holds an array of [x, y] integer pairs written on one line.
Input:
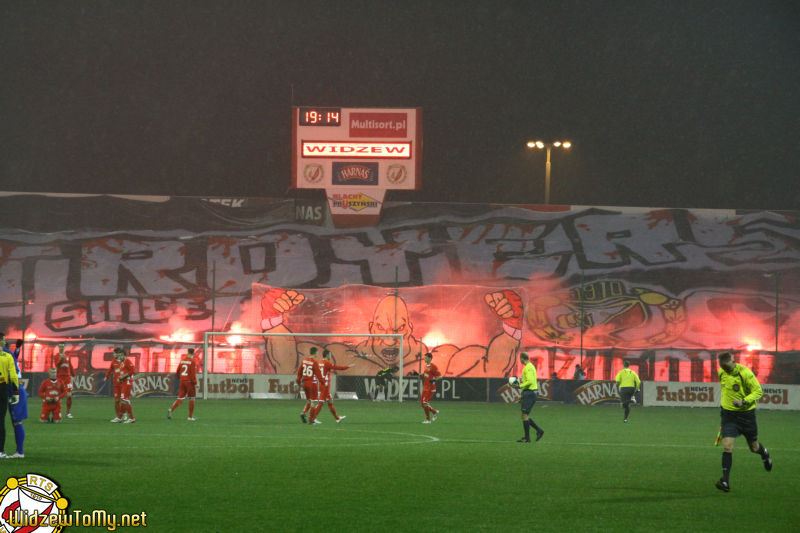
{"points": [[207, 353]]}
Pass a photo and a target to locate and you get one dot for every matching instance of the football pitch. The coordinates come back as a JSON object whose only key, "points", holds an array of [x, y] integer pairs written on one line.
{"points": [[250, 465]]}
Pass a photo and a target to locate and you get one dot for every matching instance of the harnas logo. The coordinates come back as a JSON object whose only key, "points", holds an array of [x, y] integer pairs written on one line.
{"points": [[358, 173], [144, 384]]}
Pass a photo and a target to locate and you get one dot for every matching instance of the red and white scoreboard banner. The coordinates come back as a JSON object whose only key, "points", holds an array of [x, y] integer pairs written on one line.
{"points": [[356, 155], [674, 394]]}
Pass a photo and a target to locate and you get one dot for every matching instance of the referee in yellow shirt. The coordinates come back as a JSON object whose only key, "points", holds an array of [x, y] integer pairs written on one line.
{"points": [[529, 387], [739, 394], [627, 383], [9, 387]]}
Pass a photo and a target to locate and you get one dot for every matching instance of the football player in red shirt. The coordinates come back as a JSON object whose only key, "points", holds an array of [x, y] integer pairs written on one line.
{"points": [[113, 373], [187, 374], [325, 368], [309, 376], [126, 372], [65, 373], [51, 391], [429, 389]]}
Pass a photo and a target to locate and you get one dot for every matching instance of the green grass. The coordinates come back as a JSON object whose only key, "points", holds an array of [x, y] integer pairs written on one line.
{"points": [[252, 466]]}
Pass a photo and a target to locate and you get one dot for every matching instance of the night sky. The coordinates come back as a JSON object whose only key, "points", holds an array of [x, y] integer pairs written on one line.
{"points": [[668, 104]]}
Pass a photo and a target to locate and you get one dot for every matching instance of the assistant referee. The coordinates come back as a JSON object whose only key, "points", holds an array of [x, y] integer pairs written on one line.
{"points": [[628, 383], [530, 393], [739, 394], [9, 392]]}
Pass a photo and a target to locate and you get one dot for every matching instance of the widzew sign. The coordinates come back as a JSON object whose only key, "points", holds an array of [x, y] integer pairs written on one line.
{"points": [[356, 155], [356, 150]]}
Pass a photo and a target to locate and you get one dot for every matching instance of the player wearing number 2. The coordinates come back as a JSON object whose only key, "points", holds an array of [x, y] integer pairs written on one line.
{"points": [[308, 376], [187, 376]]}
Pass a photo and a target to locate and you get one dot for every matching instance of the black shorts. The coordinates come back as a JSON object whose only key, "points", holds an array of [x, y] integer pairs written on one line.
{"points": [[626, 393], [735, 423], [528, 399]]}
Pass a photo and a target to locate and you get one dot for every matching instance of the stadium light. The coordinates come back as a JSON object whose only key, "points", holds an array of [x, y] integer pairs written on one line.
{"points": [[540, 145]]}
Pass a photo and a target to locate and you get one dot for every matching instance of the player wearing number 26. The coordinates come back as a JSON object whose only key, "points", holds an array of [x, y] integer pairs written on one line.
{"points": [[739, 394], [187, 376], [309, 377]]}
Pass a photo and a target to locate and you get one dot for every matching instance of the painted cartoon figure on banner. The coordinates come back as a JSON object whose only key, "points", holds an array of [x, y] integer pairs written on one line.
{"points": [[610, 314], [391, 315]]}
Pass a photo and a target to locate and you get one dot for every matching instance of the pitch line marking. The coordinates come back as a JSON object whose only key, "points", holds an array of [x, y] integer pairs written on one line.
{"points": [[331, 442], [609, 444]]}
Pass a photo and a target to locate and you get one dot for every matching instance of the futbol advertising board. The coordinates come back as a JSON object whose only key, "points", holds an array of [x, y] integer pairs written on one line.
{"points": [[672, 394]]}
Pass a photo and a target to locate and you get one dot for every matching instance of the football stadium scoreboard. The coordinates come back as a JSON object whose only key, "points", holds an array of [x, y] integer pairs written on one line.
{"points": [[356, 155]]}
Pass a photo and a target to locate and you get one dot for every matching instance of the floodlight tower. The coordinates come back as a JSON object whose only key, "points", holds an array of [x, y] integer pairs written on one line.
{"points": [[540, 145]]}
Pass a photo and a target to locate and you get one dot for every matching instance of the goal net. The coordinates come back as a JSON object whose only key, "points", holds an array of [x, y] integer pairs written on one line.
{"points": [[264, 365]]}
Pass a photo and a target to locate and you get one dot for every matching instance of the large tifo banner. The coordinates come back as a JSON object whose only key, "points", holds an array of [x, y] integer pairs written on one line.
{"points": [[666, 289]]}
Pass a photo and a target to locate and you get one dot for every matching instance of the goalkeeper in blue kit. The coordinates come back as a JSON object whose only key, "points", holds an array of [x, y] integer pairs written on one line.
{"points": [[739, 394]]}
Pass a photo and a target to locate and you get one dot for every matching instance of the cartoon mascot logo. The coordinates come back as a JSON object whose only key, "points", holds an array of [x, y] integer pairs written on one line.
{"points": [[610, 314], [31, 503]]}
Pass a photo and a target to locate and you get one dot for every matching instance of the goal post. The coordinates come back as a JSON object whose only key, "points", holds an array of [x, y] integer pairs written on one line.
{"points": [[280, 353]]}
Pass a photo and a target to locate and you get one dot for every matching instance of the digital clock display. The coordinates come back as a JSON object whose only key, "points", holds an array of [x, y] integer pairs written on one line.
{"points": [[320, 116]]}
